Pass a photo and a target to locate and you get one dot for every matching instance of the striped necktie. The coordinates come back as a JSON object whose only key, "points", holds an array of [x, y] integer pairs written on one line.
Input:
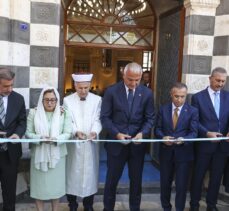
{"points": [[2, 111], [3, 146]]}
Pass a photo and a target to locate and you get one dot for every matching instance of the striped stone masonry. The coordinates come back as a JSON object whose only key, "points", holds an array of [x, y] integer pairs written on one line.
{"points": [[221, 39], [15, 42], [44, 46], [198, 43], [29, 35]]}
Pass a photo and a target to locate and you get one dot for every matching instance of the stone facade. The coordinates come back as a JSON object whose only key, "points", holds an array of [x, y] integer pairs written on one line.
{"points": [[29, 36], [198, 43]]}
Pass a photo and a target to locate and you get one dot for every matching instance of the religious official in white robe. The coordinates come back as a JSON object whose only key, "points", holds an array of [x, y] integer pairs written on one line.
{"points": [[83, 158]]}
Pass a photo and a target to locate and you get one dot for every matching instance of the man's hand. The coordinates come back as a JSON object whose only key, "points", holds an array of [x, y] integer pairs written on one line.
{"points": [[138, 137], [214, 135], [168, 143], [46, 140], [227, 136], [92, 136], [80, 135], [14, 136], [121, 136], [179, 141]]}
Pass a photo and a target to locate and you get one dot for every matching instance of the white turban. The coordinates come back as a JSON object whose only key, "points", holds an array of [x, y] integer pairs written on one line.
{"points": [[82, 77]]}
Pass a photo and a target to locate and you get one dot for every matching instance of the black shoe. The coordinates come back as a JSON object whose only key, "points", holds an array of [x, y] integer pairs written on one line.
{"points": [[212, 209], [88, 209], [194, 209]]}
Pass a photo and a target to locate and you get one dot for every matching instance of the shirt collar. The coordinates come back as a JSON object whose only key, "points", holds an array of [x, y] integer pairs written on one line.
{"points": [[173, 107], [127, 89], [211, 91]]}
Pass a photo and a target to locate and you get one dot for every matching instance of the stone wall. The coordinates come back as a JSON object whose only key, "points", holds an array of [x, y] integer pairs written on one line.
{"points": [[29, 39], [221, 39], [198, 43]]}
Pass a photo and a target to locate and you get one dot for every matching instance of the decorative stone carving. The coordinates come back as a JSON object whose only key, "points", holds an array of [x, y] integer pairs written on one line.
{"points": [[46, 13], [195, 82], [39, 77], [198, 45], [44, 56], [44, 35]]}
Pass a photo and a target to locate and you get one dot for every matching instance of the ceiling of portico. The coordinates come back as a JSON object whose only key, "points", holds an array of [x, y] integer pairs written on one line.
{"points": [[160, 6]]}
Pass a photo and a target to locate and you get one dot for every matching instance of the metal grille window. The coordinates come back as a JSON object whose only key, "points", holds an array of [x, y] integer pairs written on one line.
{"points": [[120, 23]]}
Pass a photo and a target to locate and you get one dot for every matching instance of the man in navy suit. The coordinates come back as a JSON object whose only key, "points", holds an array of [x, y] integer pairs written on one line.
{"points": [[175, 121], [212, 104], [13, 124], [127, 113]]}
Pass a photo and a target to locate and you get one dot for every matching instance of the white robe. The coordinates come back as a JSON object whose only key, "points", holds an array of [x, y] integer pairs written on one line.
{"points": [[82, 167]]}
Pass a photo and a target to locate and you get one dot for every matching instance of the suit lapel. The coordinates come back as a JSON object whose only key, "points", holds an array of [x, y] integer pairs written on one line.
{"points": [[10, 107], [182, 115], [222, 103], [208, 103], [169, 115]]}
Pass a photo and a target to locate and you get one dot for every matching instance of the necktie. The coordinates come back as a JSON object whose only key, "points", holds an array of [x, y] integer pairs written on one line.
{"points": [[175, 117], [3, 146], [130, 98], [216, 103], [2, 111]]}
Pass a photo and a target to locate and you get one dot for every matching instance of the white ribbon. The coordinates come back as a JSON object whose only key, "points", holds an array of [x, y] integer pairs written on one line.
{"points": [[3, 140]]}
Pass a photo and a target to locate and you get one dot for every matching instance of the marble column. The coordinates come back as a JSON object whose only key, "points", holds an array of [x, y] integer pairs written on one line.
{"points": [[221, 39], [198, 43], [44, 46], [15, 42]]}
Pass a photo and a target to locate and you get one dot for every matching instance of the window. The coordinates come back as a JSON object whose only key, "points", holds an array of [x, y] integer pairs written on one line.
{"points": [[146, 61]]}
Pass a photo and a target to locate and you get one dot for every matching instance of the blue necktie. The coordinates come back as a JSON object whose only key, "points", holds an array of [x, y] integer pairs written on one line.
{"points": [[130, 98], [216, 103]]}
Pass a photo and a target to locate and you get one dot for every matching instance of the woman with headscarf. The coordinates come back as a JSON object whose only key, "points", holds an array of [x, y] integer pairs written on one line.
{"points": [[48, 122]]}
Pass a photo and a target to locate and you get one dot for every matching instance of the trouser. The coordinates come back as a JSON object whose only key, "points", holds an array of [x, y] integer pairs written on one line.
{"points": [[8, 179], [182, 171], [215, 162], [115, 165], [87, 201]]}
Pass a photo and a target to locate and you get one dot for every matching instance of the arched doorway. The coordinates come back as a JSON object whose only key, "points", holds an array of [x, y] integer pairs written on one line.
{"points": [[101, 35]]}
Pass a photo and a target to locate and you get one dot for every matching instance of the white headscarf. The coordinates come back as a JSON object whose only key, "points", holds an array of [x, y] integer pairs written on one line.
{"points": [[47, 155]]}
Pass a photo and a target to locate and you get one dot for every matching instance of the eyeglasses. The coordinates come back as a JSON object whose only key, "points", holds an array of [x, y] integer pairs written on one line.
{"points": [[51, 100]]}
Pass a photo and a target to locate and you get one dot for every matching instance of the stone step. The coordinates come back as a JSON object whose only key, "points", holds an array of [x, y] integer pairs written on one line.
{"points": [[150, 202]]}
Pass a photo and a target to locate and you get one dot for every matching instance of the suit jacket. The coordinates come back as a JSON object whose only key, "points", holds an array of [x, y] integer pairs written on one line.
{"points": [[116, 118], [15, 122], [187, 127], [209, 120]]}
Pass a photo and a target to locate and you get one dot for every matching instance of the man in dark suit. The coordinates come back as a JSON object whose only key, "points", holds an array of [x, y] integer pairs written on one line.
{"points": [[146, 79], [175, 121], [13, 124], [212, 104], [127, 113]]}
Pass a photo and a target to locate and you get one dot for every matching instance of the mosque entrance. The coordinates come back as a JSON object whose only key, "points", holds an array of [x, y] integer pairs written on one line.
{"points": [[101, 36]]}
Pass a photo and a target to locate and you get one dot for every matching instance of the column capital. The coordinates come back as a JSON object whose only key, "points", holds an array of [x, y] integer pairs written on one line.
{"points": [[201, 7]]}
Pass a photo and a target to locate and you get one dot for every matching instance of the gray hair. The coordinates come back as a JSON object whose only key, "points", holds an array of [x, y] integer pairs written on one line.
{"points": [[179, 85], [133, 67], [6, 74], [218, 70]]}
